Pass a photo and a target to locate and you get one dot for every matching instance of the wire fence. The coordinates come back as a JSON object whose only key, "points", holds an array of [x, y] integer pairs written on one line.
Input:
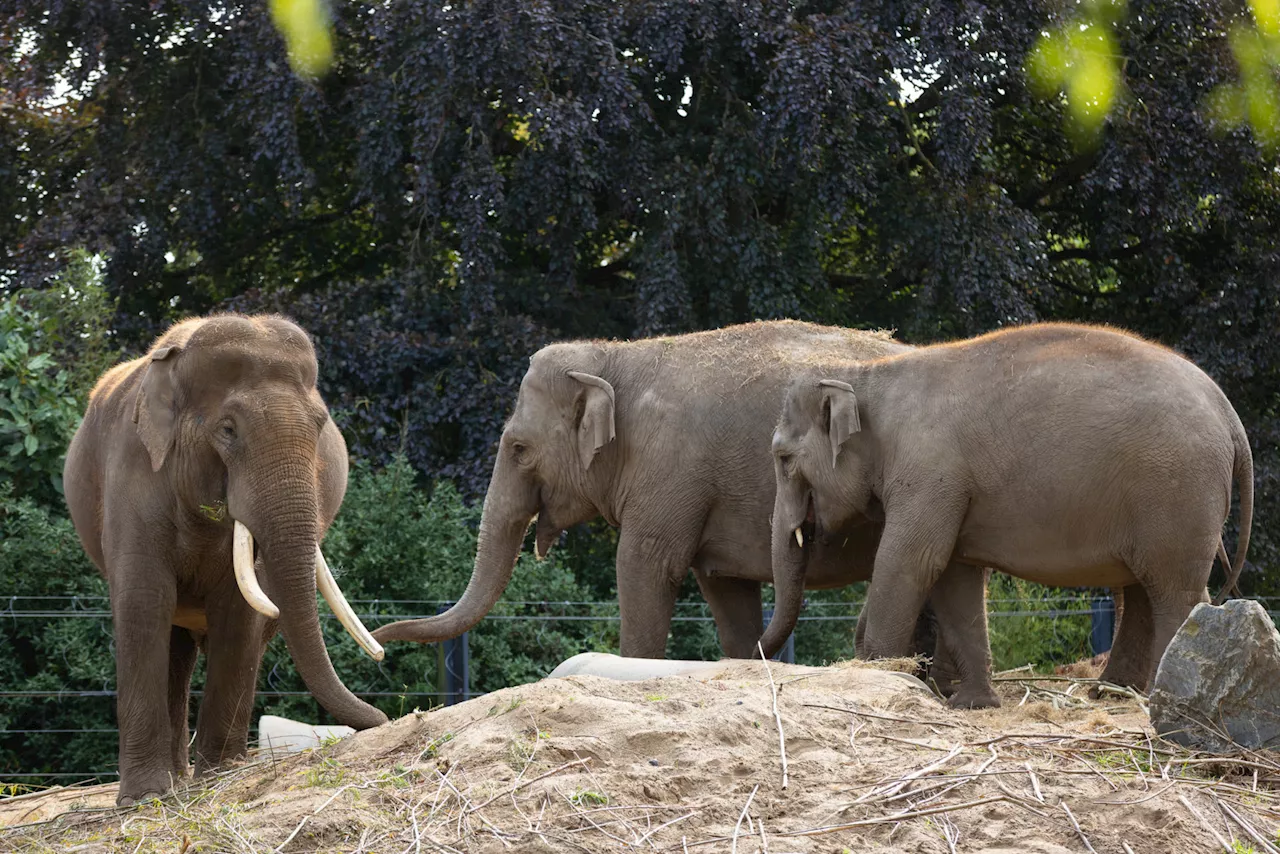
{"points": [[1092, 607]]}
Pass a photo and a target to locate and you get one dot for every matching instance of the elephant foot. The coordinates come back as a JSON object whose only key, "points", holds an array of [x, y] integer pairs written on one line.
{"points": [[983, 697], [945, 685], [1139, 685], [140, 787], [1122, 676], [128, 800]]}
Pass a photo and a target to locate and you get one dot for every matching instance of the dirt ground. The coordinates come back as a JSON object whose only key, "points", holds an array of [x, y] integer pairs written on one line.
{"points": [[873, 763]]}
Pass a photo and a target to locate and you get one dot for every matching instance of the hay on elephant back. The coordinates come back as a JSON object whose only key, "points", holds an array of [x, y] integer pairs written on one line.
{"points": [[694, 763]]}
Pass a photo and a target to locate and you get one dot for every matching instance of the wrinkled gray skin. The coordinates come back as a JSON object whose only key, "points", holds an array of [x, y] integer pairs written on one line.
{"points": [[667, 439], [1066, 455], [221, 409]]}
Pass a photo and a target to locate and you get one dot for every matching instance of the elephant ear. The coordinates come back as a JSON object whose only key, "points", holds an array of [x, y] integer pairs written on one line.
{"points": [[595, 424], [156, 410], [840, 406]]}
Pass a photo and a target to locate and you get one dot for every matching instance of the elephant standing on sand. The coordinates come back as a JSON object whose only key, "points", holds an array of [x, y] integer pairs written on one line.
{"points": [[667, 439], [217, 432], [1066, 455]]}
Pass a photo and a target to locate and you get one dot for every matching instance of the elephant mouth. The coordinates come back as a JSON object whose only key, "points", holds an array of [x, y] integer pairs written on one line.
{"points": [[546, 534], [807, 531], [247, 580]]}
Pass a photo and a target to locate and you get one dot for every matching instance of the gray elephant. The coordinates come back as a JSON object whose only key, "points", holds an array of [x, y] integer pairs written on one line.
{"points": [[667, 439], [1066, 455], [218, 432]]}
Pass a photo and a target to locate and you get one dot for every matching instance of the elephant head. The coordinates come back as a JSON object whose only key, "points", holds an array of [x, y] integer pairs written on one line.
{"points": [[555, 460], [823, 484], [229, 414]]}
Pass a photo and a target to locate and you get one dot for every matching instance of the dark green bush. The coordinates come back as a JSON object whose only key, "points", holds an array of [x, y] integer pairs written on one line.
{"points": [[43, 569], [38, 410], [1029, 626]]}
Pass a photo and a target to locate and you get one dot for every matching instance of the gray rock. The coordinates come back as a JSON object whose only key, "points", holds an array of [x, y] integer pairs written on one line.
{"points": [[1218, 685]]}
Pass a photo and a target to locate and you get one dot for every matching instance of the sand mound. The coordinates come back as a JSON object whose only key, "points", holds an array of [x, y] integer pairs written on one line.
{"points": [[582, 763]]}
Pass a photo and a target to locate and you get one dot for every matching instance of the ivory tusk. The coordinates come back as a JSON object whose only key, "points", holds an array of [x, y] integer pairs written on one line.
{"points": [[799, 538], [246, 578], [342, 609]]}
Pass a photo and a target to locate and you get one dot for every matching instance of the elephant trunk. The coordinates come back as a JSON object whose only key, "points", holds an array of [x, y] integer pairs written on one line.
{"points": [[509, 507], [277, 503], [789, 562]]}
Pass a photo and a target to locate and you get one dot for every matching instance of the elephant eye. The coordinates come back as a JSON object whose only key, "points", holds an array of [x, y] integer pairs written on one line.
{"points": [[518, 449], [227, 430]]}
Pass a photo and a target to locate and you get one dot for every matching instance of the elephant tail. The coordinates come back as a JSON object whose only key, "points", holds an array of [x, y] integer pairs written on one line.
{"points": [[1242, 471]]}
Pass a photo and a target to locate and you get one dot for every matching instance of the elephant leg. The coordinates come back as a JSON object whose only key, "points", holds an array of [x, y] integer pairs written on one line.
{"points": [[914, 550], [1130, 658], [649, 569], [233, 652], [142, 601], [959, 598], [735, 606], [943, 668], [860, 630], [925, 640], [182, 660]]}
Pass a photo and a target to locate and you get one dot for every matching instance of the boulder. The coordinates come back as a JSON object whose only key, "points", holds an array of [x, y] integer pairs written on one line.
{"points": [[1218, 685]]}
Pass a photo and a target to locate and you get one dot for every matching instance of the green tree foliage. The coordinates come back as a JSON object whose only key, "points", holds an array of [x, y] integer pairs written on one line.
{"points": [[43, 569], [38, 412], [469, 181]]}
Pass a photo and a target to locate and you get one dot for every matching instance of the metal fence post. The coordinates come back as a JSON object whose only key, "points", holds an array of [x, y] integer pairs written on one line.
{"points": [[787, 655], [1103, 623], [453, 667]]}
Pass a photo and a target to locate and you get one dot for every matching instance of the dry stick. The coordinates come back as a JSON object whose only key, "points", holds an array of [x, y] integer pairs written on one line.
{"points": [[1123, 803], [439, 791], [737, 828], [1141, 776], [1092, 770], [1246, 826], [596, 826], [1225, 760], [782, 739], [1108, 742], [950, 833], [1035, 784], [909, 741], [1019, 799], [861, 713], [1207, 826], [297, 829], [960, 781], [621, 807], [764, 842], [1125, 846], [528, 782], [1076, 825], [666, 824], [897, 817], [899, 782]]}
